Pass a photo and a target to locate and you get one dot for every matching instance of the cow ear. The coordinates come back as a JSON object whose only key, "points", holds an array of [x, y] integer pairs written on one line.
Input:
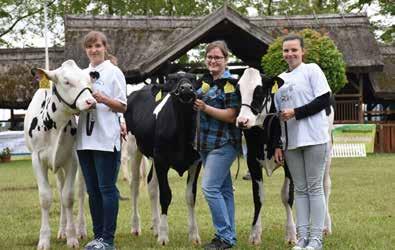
{"points": [[49, 74], [44, 76]]}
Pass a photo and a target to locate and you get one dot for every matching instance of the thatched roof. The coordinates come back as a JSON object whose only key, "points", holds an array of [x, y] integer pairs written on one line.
{"points": [[383, 83], [145, 45], [15, 78]]}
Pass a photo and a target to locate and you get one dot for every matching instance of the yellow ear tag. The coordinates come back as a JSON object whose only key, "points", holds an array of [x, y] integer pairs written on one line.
{"points": [[229, 88], [205, 87], [275, 87], [158, 96], [44, 82]]}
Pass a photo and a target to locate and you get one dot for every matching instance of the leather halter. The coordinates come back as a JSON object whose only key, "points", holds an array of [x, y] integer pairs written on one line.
{"points": [[73, 105]]}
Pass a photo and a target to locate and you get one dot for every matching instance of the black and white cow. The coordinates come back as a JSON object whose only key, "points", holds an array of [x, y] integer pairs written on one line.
{"points": [[162, 119], [258, 119], [50, 131]]}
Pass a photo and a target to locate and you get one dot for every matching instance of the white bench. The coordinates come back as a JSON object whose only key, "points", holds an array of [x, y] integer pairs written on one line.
{"points": [[348, 150]]}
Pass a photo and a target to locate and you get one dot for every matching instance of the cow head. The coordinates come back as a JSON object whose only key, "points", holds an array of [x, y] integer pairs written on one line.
{"points": [[71, 85], [184, 90], [255, 91]]}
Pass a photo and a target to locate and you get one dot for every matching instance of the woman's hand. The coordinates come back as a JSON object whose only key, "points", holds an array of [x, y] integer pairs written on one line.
{"points": [[199, 105], [287, 114], [124, 130], [100, 97], [278, 156]]}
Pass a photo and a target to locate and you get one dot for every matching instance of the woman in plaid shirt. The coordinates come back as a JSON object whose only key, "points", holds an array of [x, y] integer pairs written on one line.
{"points": [[219, 142]]}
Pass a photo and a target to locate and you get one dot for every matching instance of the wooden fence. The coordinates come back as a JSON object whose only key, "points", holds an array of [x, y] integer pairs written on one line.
{"points": [[347, 111], [385, 138]]}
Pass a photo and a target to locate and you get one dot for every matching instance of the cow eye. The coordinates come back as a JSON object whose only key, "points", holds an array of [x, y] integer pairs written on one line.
{"points": [[67, 83]]}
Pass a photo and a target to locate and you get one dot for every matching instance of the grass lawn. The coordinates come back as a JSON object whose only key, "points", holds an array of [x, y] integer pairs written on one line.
{"points": [[362, 205]]}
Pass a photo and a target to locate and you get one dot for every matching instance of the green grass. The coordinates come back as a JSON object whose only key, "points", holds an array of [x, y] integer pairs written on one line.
{"points": [[362, 208]]}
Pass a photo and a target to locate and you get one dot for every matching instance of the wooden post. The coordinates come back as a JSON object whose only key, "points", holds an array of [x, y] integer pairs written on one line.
{"points": [[381, 138], [360, 104]]}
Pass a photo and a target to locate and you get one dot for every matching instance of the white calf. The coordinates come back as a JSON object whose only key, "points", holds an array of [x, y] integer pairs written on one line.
{"points": [[50, 131]]}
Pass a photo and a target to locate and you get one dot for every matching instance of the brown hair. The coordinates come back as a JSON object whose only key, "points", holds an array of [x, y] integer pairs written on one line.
{"points": [[94, 36], [220, 44], [292, 36]]}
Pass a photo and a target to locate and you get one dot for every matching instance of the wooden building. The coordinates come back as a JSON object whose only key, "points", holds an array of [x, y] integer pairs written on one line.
{"points": [[149, 46]]}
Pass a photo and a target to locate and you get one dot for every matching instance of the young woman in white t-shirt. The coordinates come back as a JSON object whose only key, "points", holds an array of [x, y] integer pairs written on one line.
{"points": [[302, 100], [98, 140]]}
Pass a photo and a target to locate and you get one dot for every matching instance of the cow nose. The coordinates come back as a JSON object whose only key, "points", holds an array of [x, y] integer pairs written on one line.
{"points": [[242, 123], [90, 102]]}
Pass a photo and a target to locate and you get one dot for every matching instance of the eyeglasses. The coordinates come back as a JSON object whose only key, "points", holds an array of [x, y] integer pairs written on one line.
{"points": [[215, 58]]}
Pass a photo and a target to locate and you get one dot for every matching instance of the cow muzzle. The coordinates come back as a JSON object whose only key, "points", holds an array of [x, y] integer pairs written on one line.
{"points": [[186, 93]]}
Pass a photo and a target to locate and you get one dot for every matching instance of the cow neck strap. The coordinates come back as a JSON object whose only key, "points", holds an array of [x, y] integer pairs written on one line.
{"points": [[73, 105]]}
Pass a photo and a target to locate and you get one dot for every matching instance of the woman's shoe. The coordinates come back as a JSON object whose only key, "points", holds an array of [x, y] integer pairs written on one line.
{"points": [[314, 244], [301, 244]]}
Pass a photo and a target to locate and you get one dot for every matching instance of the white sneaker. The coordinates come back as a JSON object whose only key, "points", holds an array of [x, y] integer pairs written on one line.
{"points": [[92, 243], [301, 244], [314, 244]]}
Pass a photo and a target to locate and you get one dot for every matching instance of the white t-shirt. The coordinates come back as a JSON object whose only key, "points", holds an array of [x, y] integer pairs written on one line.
{"points": [[301, 86], [103, 122]]}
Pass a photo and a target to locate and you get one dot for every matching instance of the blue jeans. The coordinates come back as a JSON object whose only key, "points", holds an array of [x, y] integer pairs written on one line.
{"points": [[307, 167], [100, 170], [218, 190]]}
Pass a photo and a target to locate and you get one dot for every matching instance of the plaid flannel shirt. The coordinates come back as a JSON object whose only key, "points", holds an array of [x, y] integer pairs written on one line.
{"points": [[221, 94]]}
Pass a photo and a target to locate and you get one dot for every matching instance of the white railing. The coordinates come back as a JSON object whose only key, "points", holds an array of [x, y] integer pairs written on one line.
{"points": [[348, 150]]}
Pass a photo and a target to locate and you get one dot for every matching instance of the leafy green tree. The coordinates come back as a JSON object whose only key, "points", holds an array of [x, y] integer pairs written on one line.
{"points": [[319, 49], [386, 8]]}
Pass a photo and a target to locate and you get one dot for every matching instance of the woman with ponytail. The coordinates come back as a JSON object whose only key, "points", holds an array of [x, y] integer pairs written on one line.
{"points": [[99, 142]]}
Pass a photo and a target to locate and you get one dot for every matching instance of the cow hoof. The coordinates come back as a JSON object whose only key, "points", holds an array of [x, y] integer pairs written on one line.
{"points": [[155, 230], [327, 231], [255, 239], [73, 243], [163, 241], [43, 245], [291, 240], [61, 234], [195, 240], [82, 234], [136, 231]]}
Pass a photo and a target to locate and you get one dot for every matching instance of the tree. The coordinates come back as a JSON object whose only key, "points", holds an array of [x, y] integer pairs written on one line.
{"points": [[386, 8], [19, 19], [319, 49]]}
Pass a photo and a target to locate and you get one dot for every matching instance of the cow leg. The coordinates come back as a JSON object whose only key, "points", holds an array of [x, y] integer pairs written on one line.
{"points": [[135, 161], [327, 192], [254, 145], [190, 197], [45, 196], [153, 190], [165, 196], [81, 223], [125, 156], [68, 201], [258, 197], [287, 197], [60, 178]]}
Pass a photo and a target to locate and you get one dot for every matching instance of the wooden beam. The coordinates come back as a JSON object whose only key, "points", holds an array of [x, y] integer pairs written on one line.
{"points": [[360, 113]]}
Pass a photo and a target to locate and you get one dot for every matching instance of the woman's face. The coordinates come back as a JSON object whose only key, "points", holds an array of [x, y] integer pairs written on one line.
{"points": [[293, 53], [95, 52], [216, 61]]}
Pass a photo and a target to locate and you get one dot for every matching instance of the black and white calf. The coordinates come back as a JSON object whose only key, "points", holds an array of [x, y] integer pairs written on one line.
{"points": [[50, 131], [162, 120], [258, 120]]}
